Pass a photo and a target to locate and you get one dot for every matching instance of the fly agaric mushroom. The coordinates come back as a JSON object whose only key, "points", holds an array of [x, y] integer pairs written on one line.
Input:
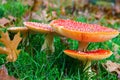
{"points": [[87, 57], [84, 33], [45, 29]]}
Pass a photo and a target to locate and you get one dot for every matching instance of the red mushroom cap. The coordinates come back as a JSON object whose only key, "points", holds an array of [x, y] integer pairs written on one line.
{"points": [[39, 27], [90, 55], [82, 31]]}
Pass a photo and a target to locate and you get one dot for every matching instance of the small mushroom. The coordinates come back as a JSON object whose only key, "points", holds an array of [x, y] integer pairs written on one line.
{"points": [[18, 29], [84, 33], [48, 44], [87, 57]]}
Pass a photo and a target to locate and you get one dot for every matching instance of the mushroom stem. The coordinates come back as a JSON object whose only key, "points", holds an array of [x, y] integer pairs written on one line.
{"points": [[83, 46], [87, 69], [25, 35], [48, 44], [87, 64]]}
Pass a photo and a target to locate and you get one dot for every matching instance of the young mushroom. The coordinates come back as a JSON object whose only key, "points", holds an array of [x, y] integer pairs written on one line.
{"points": [[23, 30], [87, 57], [18, 29], [48, 44], [84, 33]]}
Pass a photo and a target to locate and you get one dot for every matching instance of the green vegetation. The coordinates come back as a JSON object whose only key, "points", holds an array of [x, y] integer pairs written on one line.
{"points": [[15, 9], [32, 64]]}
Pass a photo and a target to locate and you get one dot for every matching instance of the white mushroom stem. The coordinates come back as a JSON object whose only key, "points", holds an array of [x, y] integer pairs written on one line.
{"points": [[48, 43], [83, 46], [87, 64], [87, 69], [25, 35]]}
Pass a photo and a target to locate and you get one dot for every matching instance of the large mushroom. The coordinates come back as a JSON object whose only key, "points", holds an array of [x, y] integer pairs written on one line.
{"points": [[48, 44], [84, 33]]}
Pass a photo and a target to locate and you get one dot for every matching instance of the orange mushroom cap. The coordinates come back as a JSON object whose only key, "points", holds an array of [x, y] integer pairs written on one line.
{"points": [[90, 55], [18, 29], [82, 31], [38, 27]]}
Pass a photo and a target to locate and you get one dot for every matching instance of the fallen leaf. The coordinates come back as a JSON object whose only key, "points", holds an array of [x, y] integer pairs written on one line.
{"points": [[4, 1], [28, 2], [42, 17], [4, 74], [85, 13], [117, 9], [12, 19], [112, 67], [99, 15], [4, 22], [117, 6], [50, 3], [36, 16], [10, 46]]}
